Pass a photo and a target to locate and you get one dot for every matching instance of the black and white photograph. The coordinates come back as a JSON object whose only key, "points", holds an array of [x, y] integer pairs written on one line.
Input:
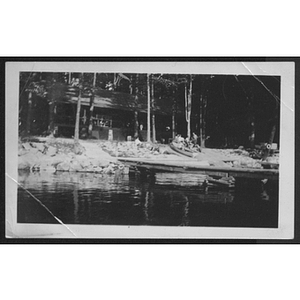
{"points": [[150, 150], [139, 149]]}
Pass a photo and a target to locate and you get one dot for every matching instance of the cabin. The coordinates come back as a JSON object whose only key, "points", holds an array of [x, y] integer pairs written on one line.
{"points": [[114, 116]]}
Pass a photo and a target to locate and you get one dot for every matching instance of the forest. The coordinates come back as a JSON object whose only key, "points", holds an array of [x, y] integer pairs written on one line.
{"points": [[223, 110]]}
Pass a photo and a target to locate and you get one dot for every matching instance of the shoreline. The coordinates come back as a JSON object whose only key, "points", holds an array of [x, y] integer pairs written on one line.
{"points": [[101, 156]]}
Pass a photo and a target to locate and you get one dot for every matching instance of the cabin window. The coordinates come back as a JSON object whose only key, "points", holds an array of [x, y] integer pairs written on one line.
{"points": [[102, 121]]}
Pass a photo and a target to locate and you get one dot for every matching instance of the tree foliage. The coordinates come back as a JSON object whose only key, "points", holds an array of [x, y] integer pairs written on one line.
{"points": [[228, 102]]}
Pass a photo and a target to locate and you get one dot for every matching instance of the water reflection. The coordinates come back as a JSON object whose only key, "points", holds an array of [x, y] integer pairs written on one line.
{"points": [[86, 198], [185, 218]]}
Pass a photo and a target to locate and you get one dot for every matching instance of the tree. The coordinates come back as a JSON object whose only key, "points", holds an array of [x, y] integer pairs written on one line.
{"points": [[85, 89], [55, 91], [188, 104], [174, 105], [202, 121], [204, 87], [136, 119], [187, 81], [92, 98], [78, 85], [148, 108], [37, 89], [153, 106], [165, 83], [274, 127], [250, 114]]}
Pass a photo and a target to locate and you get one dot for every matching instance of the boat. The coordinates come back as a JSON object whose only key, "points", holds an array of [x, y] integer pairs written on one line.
{"points": [[184, 150]]}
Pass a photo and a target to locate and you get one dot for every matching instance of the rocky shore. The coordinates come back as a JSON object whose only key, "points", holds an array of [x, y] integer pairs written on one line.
{"points": [[51, 155], [95, 156], [58, 154]]}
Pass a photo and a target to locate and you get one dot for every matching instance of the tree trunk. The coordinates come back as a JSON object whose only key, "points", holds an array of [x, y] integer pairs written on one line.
{"points": [[90, 130], [204, 121], [94, 79], [29, 113], [173, 115], [130, 86], [136, 124], [190, 105], [186, 104], [202, 138], [188, 95], [76, 133], [115, 82], [273, 131], [173, 124], [51, 118], [272, 135], [136, 114], [251, 120], [92, 98], [202, 113], [148, 109], [153, 115], [153, 128], [252, 132]]}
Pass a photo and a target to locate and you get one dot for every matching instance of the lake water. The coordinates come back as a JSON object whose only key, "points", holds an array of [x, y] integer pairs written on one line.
{"points": [[86, 198]]}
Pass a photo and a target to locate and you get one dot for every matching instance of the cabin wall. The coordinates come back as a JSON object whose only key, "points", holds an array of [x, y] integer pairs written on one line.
{"points": [[109, 122], [106, 122]]}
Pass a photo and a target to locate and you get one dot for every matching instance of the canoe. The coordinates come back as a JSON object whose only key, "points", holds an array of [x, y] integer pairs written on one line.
{"points": [[185, 151]]}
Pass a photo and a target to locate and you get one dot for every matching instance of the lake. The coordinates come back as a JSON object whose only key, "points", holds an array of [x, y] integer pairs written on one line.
{"points": [[86, 198]]}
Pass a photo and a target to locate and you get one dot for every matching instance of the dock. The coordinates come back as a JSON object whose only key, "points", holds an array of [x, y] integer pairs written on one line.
{"points": [[197, 167]]}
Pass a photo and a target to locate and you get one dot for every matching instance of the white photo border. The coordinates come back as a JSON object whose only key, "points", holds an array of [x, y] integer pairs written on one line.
{"points": [[285, 230]]}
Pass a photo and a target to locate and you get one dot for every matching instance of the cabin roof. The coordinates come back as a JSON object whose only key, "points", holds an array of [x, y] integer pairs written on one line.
{"points": [[122, 101]]}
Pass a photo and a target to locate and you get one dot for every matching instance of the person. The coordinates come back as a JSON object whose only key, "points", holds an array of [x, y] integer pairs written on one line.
{"points": [[194, 138], [194, 142], [187, 142], [178, 138], [137, 142], [179, 141], [140, 135], [75, 82]]}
